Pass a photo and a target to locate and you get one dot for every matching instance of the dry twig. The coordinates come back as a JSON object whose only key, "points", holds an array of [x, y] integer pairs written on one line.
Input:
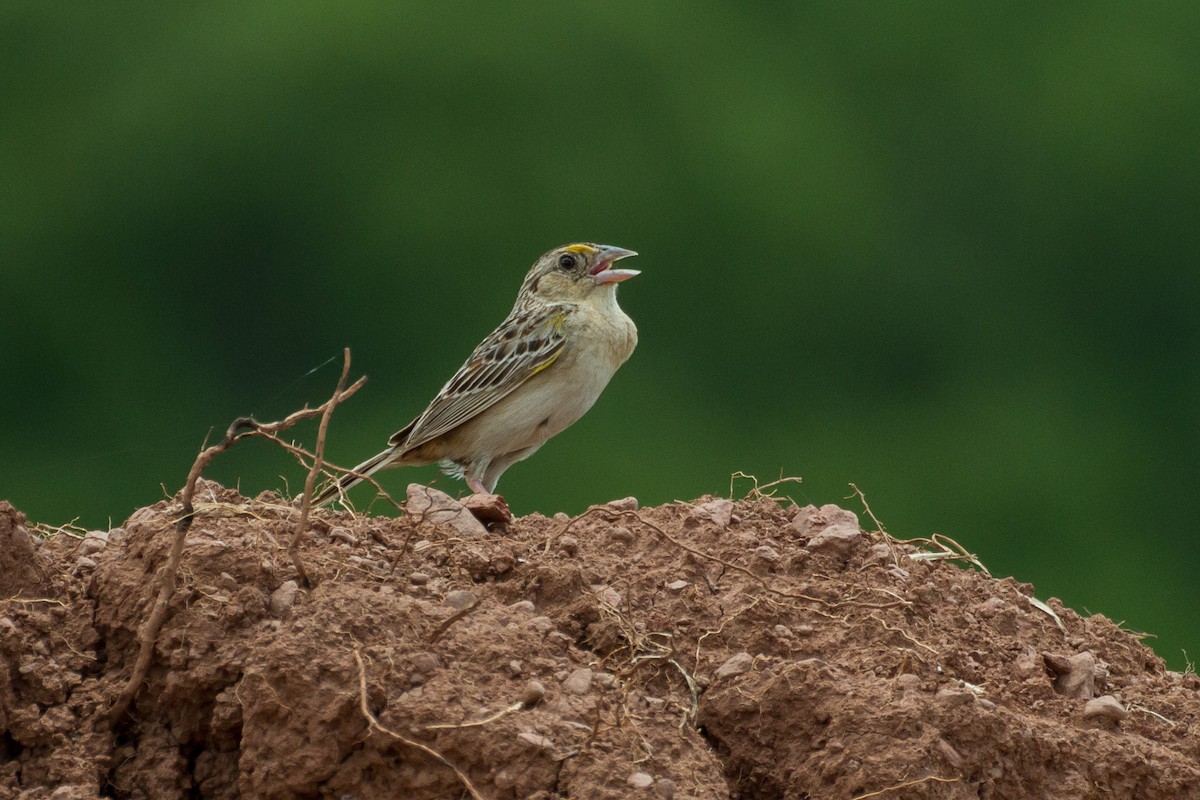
{"points": [[311, 479], [168, 577], [374, 724]]}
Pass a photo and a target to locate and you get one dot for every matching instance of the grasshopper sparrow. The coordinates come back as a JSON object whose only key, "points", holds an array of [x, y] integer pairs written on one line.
{"points": [[533, 376]]}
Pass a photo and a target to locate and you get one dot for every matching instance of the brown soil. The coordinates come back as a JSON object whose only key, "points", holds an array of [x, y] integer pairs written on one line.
{"points": [[697, 650]]}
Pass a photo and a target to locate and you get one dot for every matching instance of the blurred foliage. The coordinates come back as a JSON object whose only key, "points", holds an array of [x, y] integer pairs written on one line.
{"points": [[944, 251]]}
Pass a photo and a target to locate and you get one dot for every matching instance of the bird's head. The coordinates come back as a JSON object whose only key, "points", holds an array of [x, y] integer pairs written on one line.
{"points": [[575, 272]]}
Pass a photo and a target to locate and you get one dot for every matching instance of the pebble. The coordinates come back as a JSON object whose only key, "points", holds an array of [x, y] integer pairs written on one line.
{"points": [[542, 624], [436, 507], [665, 788], [227, 581], [640, 780], [766, 553], [418, 578], [878, 554], [952, 756], [490, 509], [524, 606], [624, 504], [461, 598], [85, 562], [535, 740], [343, 535], [1075, 675], [1105, 709], [569, 544], [736, 665], [604, 679], [533, 693], [839, 540], [719, 511], [93, 542], [620, 534], [426, 663], [283, 597], [515, 667], [608, 595], [677, 586], [579, 681]]}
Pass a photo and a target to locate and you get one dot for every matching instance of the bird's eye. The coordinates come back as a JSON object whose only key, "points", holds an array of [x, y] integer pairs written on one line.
{"points": [[566, 261]]}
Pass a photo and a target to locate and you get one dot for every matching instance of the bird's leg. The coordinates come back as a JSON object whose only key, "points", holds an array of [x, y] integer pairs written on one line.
{"points": [[476, 486]]}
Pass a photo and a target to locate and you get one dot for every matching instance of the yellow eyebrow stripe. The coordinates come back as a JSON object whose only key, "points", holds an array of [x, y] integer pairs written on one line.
{"points": [[582, 248]]}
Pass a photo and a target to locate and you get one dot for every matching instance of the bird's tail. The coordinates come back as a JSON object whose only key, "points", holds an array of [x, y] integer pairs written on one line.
{"points": [[355, 476]]}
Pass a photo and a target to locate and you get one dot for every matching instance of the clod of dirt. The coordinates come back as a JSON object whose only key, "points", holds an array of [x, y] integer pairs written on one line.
{"points": [[21, 573], [665, 653]]}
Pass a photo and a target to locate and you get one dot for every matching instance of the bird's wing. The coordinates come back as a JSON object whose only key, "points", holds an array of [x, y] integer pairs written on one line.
{"points": [[527, 342]]}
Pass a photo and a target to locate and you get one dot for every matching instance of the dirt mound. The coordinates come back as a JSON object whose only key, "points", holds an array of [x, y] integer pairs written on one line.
{"points": [[714, 649]]}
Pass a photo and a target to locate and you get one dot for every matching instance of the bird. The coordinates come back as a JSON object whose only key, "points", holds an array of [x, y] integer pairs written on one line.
{"points": [[538, 372]]}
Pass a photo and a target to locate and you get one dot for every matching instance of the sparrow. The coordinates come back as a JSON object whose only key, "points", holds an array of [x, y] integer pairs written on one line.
{"points": [[538, 372]]}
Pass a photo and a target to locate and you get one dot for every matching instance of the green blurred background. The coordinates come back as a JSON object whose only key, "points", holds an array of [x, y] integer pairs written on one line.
{"points": [[944, 251]]}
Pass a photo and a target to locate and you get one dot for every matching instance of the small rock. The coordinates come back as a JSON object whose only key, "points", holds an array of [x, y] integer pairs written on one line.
{"points": [[425, 663], [718, 511], [569, 544], [560, 516], [736, 665], [490, 509], [418, 578], [810, 519], [604, 679], [515, 667], [343, 535], [624, 504], [838, 540], [227, 581], [878, 554], [85, 562], [460, 599], [116, 536], [283, 597], [782, 631], [505, 779], [803, 629], [93, 542], [7, 625], [1105, 710], [535, 740], [677, 586], [950, 754], [533, 693], [907, 682], [620, 534], [608, 595], [523, 606], [664, 788], [640, 780], [431, 505], [766, 553], [1075, 675], [579, 681], [542, 624]]}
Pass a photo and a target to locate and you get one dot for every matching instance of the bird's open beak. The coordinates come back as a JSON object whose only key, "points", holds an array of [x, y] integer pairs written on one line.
{"points": [[603, 272]]}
